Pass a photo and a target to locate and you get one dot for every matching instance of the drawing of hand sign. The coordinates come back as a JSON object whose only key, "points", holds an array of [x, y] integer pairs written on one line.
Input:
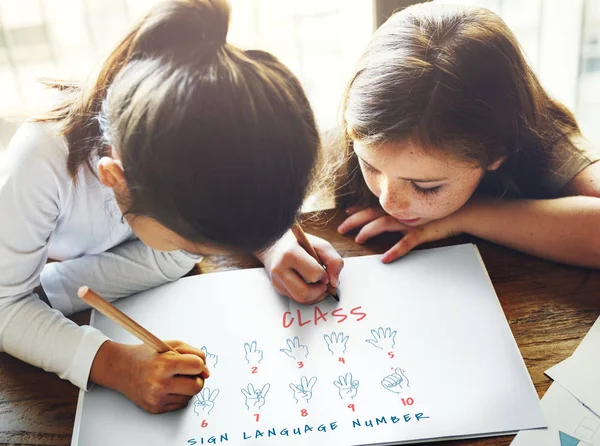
{"points": [[295, 349], [303, 391], [253, 354], [211, 360], [205, 401], [347, 386], [255, 397], [383, 339], [396, 382], [336, 343]]}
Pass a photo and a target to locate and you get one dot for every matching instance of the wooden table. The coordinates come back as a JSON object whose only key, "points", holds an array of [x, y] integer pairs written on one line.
{"points": [[550, 308]]}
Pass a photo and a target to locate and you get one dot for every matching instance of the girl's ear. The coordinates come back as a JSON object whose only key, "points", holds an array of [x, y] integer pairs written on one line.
{"points": [[111, 174], [496, 164]]}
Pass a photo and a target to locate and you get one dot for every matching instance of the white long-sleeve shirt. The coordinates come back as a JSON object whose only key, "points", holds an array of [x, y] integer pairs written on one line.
{"points": [[44, 214]]}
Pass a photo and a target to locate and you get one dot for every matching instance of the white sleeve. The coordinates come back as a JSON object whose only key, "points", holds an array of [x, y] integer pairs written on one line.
{"points": [[121, 271], [29, 208]]}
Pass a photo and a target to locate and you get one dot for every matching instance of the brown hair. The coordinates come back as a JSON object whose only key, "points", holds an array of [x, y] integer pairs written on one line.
{"points": [[451, 79], [218, 144]]}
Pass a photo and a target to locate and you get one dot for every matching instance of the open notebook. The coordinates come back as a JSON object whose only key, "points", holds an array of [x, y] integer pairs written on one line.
{"points": [[416, 350]]}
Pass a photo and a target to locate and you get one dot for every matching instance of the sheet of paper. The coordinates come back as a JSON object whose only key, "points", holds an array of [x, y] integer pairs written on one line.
{"points": [[568, 419], [580, 373], [416, 350]]}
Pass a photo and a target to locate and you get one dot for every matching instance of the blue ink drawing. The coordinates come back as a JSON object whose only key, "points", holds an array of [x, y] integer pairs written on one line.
{"points": [[253, 354], [383, 338], [255, 397], [396, 382], [205, 401], [295, 349], [336, 343], [348, 387], [303, 391], [211, 360]]}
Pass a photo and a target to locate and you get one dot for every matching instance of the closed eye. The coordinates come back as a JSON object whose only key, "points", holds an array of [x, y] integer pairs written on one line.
{"points": [[426, 190], [368, 167]]}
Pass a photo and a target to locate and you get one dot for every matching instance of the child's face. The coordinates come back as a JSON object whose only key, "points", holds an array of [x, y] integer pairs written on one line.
{"points": [[415, 187]]}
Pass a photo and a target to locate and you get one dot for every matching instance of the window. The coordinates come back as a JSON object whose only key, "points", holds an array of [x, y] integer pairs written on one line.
{"points": [[320, 40], [561, 41]]}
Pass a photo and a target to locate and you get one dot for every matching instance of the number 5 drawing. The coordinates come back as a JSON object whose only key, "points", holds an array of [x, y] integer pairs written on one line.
{"points": [[383, 338]]}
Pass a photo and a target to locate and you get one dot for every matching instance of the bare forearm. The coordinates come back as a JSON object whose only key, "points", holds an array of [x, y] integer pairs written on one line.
{"points": [[565, 229]]}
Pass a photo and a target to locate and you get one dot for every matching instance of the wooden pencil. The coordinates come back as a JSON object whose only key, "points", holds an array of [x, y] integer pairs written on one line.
{"points": [[306, 245], [117, 316]]}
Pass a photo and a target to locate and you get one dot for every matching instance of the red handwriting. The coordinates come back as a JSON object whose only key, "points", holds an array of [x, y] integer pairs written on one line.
{"points": [[339, 314]]}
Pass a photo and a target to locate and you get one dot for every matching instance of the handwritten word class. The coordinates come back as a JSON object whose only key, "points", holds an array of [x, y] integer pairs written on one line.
{"points": [[318, 315]]}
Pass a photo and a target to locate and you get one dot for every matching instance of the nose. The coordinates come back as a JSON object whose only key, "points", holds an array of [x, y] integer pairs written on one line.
{"points": [[392, 198]]}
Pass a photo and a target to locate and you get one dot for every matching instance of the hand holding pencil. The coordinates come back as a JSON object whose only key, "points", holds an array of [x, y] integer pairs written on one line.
{"points": [[302, 267], [158, 376]]}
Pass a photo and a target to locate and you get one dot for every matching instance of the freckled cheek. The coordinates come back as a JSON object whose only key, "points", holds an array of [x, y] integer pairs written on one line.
{"points": [[372, 183], [449, 202]]}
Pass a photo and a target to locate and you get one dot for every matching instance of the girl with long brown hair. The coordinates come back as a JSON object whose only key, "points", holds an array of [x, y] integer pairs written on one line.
{"points": [[183, 144], [447, 130]]}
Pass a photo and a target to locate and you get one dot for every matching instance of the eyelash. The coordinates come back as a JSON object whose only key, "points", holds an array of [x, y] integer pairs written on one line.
{"points": [[368, 168], [426, 191], [422, 190]]}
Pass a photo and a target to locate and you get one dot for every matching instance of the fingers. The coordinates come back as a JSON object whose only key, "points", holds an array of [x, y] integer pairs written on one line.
{"points": [[353, 209], [296, 288], [329, 256], [408, 242], [287, 352], [185, 385], [265, 389], [173, 407], [173, 399], [430, 232], [360, 218], [379, 226], [187, 364], [182, 347], [306, 266]]}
